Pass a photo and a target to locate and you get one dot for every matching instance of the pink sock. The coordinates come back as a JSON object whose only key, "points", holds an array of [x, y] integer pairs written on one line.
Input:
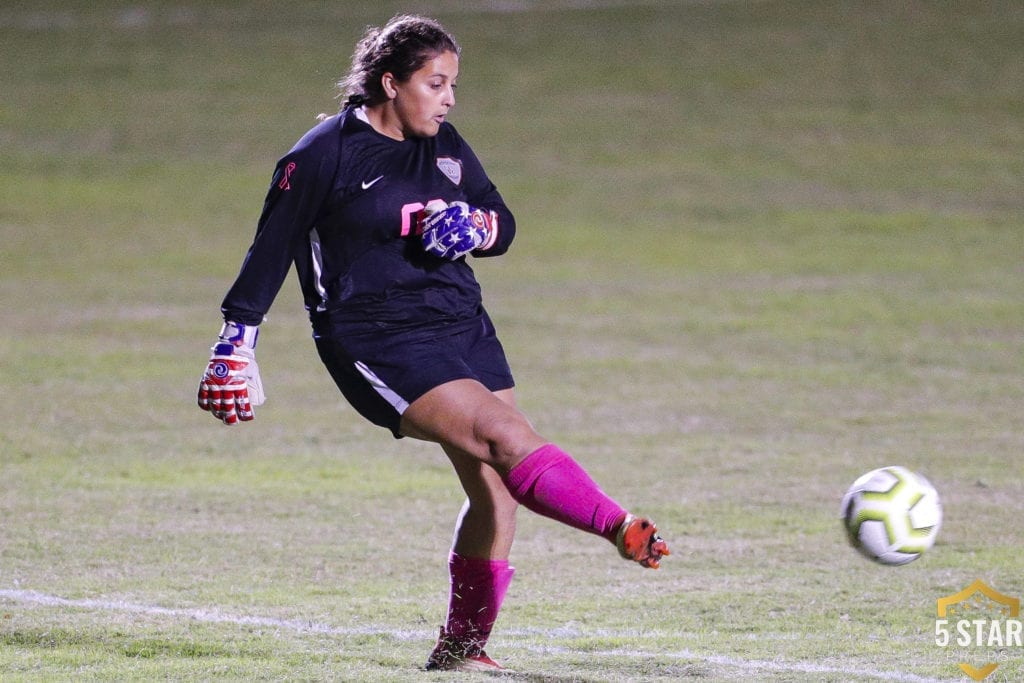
{"points": [[551, 483], [477, 591]]}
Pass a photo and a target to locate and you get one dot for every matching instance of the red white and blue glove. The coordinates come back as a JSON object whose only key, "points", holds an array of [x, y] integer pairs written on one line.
{"points": [[231, 384], [451, 231]]}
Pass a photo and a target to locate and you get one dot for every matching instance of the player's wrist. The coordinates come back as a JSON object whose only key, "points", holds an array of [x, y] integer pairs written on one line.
{"points": [[237, 335], [486, 221]]}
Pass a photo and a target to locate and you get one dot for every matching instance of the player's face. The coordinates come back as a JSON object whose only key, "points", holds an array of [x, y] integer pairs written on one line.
{"points": [[422, 103]]}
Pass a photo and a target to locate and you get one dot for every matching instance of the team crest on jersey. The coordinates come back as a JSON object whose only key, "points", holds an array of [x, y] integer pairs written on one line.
{"points": [[452, 169]]}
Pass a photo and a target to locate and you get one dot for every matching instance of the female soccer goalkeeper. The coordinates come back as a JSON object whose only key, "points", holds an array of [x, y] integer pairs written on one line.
{"points": [[378, 207]]}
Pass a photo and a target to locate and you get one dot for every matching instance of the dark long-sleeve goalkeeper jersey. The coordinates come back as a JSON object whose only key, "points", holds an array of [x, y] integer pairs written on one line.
{"points": [[343, 206]]}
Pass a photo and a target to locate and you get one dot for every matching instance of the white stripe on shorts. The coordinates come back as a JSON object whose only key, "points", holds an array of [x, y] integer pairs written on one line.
{"points": [[386, 392]]}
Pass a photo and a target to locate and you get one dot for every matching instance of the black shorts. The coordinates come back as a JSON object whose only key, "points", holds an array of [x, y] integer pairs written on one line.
{"points": [[381, 374]]}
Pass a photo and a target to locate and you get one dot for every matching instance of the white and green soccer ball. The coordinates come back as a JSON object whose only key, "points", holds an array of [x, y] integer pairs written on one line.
{"points": [[892, 515]]}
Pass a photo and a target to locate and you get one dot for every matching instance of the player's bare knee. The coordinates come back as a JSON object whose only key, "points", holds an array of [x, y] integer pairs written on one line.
{"points": [[509, 438]]}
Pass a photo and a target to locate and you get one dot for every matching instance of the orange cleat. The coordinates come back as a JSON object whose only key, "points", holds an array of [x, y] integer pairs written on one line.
{"points": [[452, 655], [638, 540]]}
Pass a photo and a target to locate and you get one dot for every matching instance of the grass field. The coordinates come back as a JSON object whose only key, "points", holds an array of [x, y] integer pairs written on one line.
{"points": [[764, 247]]}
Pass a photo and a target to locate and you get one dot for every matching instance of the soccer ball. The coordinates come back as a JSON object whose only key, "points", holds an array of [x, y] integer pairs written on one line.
{"points": [[892, 515]]}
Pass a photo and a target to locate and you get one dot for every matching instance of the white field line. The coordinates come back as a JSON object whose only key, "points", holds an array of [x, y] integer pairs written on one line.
{"points": [[208, 615], [202, 614]]}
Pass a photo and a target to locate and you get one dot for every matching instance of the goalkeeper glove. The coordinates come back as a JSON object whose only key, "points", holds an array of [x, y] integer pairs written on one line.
{"points": [[452, 231], [231, 384]]}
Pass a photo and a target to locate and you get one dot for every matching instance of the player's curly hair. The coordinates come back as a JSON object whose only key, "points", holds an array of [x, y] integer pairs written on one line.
{"points": [[401, 47]]}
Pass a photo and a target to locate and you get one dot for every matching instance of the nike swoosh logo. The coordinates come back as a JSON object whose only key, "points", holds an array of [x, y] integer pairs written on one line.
{"points": [[368, 185]]}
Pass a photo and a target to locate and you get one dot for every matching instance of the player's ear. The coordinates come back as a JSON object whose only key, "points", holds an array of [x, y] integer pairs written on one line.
{"points": [[387, 85]]}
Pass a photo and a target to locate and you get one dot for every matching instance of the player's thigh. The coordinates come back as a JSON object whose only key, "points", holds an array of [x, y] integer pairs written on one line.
{"points": [[466, 416]]}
